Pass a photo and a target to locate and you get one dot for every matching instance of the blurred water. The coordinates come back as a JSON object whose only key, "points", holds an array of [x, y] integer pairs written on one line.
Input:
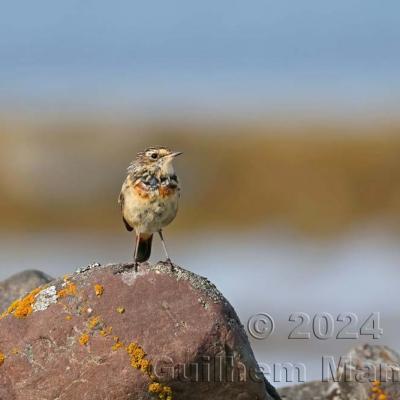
{"points": [[270, 272]]}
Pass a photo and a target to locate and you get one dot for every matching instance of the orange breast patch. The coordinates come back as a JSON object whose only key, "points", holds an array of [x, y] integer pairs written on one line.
{"points": [[166, 191], [141, 189]]}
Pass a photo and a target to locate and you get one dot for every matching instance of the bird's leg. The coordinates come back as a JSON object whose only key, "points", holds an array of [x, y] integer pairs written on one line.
{"points": [[168, 260], [135, 263]]}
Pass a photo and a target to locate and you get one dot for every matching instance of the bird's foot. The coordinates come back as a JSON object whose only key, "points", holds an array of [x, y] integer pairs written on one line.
{"points": [[127, 267], [169, 262]]}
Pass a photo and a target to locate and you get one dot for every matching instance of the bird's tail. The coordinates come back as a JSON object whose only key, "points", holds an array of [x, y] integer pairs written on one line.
{"points": [[144, 248]]}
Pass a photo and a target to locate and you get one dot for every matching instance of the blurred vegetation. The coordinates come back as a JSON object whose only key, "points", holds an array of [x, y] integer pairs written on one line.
{"points": [[316, 177]]}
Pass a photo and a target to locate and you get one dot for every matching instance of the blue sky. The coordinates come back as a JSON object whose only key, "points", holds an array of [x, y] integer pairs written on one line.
{"points": [[192, 55]]}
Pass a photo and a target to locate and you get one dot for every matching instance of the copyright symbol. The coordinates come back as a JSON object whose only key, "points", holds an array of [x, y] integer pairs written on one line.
{"points": [[260, 326]]}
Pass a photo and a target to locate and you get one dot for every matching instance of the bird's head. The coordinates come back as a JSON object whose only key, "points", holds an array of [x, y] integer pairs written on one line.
{"points": [[158, 157]]}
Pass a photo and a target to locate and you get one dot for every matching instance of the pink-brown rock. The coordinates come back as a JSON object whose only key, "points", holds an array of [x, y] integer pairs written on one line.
{"points": [[111, 333]]}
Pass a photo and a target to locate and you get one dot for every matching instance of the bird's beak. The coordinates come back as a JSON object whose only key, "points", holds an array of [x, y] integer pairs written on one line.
{"points": [[177, 153]]}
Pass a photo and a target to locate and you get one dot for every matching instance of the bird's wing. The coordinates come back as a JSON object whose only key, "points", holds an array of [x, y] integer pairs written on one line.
{"points": [[121, 201]]}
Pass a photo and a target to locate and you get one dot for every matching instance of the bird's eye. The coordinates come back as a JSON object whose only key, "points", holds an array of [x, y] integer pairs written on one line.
{"points": [[154, 156]]}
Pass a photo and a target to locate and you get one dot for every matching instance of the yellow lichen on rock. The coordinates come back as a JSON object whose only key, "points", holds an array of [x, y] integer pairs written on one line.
{"points": [[98, 289], [23, 307], [69, 290], [138, 355], [94, 322], [2, 358], [117, 346], [106, 331], [120, 310], [139, 361], [377, 393], [84, 339], [164, 392]]}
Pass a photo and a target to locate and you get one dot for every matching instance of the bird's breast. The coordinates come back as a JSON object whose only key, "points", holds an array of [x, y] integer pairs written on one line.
{"points": [[148, 207], [150, 192]]}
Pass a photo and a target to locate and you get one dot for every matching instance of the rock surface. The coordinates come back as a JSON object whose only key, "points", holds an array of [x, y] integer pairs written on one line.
{"points": [[112, 333], [366, 373], [17, 285]]}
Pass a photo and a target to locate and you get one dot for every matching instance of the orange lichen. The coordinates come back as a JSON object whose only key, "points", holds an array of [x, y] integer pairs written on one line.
{"points": [[137, 356], [120, 310], [377, 393], [106, 331], [69, 290], [23, 307], [98, 289], [139, 361], [68, 317], [117, 346], [94, 322], [2, 358], [164, 392], [84, 339]]}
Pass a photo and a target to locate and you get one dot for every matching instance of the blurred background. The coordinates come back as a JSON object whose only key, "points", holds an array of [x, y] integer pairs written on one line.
{"points": [[287, 114]]}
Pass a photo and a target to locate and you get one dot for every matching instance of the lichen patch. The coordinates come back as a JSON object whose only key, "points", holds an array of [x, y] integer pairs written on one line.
{"points": [[23, 307], [106, 331], [84, 339], [138, 357], [99, 289], [69, 289], [164, 392], [94, 322], [117, 346], [45, 298], [377, 392]]}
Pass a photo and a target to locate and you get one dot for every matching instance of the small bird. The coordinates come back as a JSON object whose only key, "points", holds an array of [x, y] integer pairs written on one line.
{"points": [[149, 198]]}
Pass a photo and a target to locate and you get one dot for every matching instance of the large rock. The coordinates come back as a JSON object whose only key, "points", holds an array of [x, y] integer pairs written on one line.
{"points": [[19, 284], [367, 372], [113, 333]]}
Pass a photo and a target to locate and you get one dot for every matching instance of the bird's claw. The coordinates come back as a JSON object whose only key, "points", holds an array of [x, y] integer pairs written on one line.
{"points": [[127, 267], [170, 263]]}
